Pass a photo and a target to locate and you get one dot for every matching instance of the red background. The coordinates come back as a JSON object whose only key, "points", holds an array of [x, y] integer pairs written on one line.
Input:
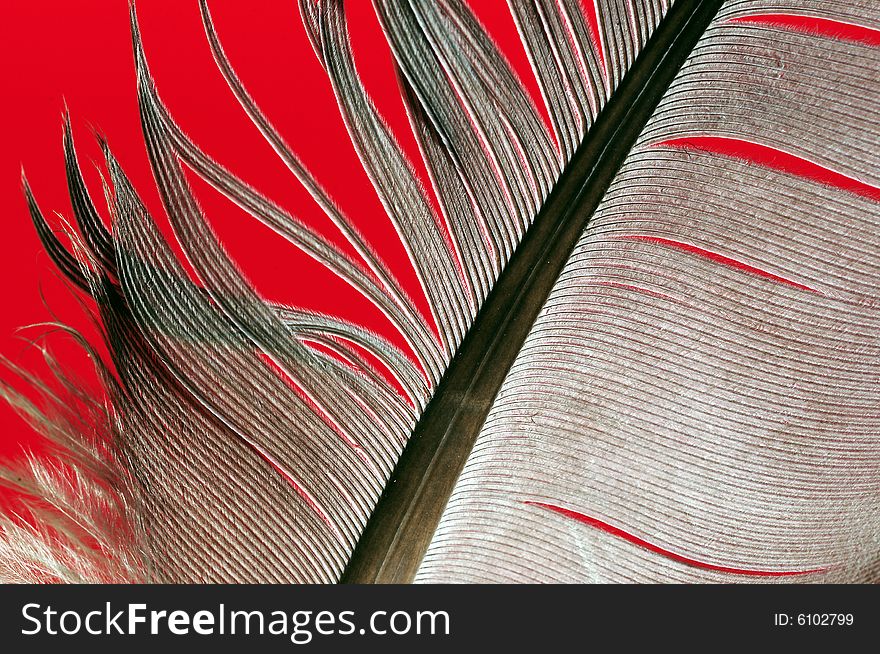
{"points": [[80, 52]]}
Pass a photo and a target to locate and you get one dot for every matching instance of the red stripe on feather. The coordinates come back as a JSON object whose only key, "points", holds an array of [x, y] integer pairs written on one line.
{"points": [[717, 258], [764, 155], [814, 25], [620, 533]]}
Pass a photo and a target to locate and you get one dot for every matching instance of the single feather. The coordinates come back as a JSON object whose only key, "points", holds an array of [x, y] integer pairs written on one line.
{"points": [[652, 346]]}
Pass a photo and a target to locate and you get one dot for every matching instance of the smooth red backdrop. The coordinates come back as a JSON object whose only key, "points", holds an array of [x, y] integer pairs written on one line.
{"points": [[80, 52]]}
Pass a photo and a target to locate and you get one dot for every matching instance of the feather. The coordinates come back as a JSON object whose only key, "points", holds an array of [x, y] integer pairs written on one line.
{"points": [[651, 349], [702, 380], [77, 521]]}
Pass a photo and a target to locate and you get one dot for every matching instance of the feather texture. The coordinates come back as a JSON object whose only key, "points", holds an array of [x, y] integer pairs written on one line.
{"points": [[703, 377], [696, 400]]}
